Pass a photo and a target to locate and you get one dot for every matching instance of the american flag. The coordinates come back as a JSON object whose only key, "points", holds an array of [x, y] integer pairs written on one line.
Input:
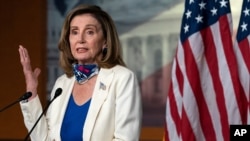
{"points": [[242, 50], [205, 94]]}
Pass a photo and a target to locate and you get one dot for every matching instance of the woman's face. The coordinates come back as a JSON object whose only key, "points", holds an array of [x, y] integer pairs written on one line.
{"points": [[86, 39]]}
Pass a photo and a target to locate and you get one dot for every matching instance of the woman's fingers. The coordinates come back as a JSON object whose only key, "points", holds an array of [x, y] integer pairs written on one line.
{"points": [[23, 53], [24, 59]]}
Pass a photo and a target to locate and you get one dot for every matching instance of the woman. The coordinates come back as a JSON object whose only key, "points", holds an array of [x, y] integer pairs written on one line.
{"points": [[100, 98]]}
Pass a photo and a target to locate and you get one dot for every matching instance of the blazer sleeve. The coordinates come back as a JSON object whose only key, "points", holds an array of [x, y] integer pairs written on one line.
{"points": [[31, 112], [128, 108]]}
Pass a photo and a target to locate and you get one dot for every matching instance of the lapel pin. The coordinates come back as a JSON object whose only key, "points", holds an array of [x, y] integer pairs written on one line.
{"points": [[102, 86]]}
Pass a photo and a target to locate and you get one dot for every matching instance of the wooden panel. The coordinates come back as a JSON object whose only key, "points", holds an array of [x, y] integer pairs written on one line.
{"points": [[152, 134], [22, 22]]}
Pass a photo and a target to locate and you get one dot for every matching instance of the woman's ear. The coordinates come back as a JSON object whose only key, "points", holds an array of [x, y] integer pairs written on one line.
{"points": [[104, 44]]}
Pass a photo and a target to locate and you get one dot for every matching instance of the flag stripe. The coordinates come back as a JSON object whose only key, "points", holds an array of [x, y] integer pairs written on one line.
{"points": [[231, 59], [172, 117], [194, 80], [174, 110], [189, 106], [187, 132], [242, 50], [212, 61], [178, 80]]}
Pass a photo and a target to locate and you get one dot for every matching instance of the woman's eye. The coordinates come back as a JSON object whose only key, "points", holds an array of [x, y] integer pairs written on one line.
{"points": [[90, 32], [73, 32]]}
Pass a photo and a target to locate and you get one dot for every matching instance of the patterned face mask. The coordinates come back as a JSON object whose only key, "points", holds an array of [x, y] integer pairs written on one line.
{"points": [[84, 72]]}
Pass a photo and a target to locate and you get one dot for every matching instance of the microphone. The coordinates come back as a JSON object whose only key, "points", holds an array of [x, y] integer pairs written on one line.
{"points": [[26, 96], [57, 93]]}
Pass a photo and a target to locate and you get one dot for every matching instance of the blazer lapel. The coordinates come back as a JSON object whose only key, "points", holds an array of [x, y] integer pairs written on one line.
{"points": [[67, 87], [100, 93], [58, 109]]}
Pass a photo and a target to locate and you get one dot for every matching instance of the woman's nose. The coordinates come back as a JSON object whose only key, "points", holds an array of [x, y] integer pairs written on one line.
{"points": [[81, 38]]}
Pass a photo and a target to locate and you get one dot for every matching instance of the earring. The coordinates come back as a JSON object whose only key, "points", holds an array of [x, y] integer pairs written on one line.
{"points": [[104, 51]]}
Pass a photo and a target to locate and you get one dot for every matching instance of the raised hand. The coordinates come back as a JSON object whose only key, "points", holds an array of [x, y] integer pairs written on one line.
{"points": [[31, 77]]}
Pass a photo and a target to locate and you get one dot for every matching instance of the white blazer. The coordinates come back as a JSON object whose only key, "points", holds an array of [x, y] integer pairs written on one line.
{"points": [[115, 111]]}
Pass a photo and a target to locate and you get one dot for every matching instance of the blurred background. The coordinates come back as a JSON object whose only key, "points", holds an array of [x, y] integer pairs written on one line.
{"points": [[148, 29]]}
